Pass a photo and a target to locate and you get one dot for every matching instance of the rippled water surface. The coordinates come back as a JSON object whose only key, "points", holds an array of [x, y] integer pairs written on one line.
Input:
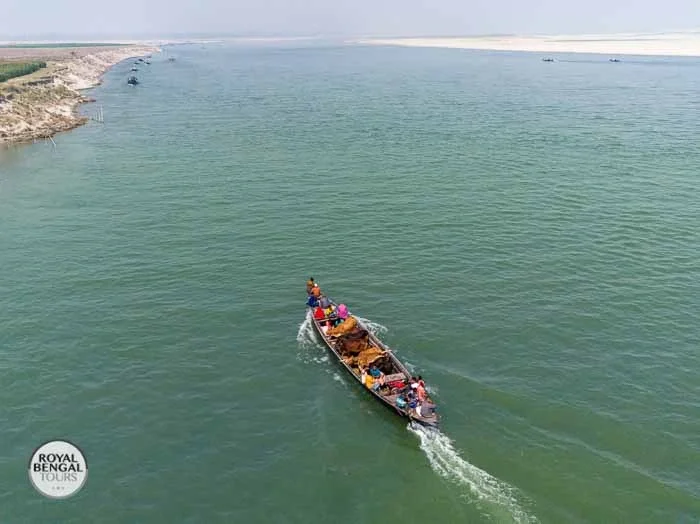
{"points": [[526, 235]]}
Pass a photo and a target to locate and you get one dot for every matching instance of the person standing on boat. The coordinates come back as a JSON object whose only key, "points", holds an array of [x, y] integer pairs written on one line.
{"points": [[314, 295], [310, 285], [422, 394]]}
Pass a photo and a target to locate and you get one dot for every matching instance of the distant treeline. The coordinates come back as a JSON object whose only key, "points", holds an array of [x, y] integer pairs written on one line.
{"points": [[14, 69]]}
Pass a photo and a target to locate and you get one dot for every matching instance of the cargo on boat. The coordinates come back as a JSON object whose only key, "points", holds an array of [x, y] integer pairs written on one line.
{"points": [[371, 362]]}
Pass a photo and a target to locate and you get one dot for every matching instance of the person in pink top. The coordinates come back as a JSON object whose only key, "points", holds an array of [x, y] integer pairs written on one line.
{"points": [[342, 311]]}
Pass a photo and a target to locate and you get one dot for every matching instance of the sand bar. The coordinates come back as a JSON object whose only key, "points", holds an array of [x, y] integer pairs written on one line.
{"points": [[45, 103], [669, 44]]}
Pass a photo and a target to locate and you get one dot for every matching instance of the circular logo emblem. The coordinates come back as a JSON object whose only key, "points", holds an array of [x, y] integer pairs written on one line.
{"points": [[58, 469]]}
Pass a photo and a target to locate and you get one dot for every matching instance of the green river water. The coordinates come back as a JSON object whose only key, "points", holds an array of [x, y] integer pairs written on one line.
{"points": [[525, 235]]}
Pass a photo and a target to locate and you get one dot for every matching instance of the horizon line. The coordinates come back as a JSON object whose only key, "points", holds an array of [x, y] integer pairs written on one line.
{"points": [[193, 36]]}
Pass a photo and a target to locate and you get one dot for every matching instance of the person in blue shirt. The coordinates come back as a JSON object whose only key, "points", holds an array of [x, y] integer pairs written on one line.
{"points": [[401, 401], [377, 375], [412, 400]]}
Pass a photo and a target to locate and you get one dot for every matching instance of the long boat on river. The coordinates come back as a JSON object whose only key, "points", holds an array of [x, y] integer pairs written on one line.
{"points": [[357, 348]]}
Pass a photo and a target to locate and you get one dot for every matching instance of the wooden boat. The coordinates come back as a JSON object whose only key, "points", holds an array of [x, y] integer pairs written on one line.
{"points": [[393, 369]]}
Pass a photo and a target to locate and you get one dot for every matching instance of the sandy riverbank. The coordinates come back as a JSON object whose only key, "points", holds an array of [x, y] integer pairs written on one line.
{"points": [[45, 103], [671, 44]]}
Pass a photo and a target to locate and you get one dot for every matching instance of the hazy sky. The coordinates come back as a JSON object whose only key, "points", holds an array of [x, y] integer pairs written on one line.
{"points": [[27, 18]]}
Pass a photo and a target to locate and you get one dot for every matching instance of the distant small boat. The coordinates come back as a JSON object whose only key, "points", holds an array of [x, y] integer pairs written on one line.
{"points": [[147, 62], [548, 59], [171, 59], [132, 81], [134, 69], [614, 59]]}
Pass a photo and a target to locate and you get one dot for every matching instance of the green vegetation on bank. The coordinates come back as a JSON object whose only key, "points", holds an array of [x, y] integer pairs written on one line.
{"points": [[14, 69]]}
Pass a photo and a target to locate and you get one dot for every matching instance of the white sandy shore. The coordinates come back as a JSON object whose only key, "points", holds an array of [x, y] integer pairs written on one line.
{"points": [[670, 44], [29, 112], [87, 71]]}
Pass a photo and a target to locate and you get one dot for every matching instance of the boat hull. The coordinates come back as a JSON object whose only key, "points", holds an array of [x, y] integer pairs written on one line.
{"points": [[432, 422]]}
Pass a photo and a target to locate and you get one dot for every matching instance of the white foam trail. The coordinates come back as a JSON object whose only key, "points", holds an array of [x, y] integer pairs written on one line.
{"points": [[493, 496], [310, 349], [306, 335], [410, 367], [374, 327]]}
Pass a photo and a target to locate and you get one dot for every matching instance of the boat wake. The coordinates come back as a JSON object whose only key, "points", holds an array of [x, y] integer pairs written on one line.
{"points": [[308, 343], [495, 498], [311, 348], [306, 336], [374, 327]]}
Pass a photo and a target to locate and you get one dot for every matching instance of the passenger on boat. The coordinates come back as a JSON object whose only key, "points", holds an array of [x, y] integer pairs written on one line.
{"points": [[324, 302], [401, 401], [412, 400], [319, 314], [314, 295], [341, 314], [420, 381], [422, 394], [377, 374], [343, 328], [370, 383], [368, 379], [310, 285]]}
